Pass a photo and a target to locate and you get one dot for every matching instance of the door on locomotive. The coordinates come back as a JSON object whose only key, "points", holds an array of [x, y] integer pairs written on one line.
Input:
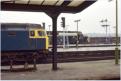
{"points": [[38, 39], [32, 40]]}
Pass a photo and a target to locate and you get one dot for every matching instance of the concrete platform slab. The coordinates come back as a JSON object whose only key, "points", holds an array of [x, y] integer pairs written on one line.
{"points": [[91, 70], [86, 49]]}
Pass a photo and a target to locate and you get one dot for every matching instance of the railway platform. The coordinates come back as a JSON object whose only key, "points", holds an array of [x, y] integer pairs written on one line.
{"points": [[89, 70], [86, 49]]}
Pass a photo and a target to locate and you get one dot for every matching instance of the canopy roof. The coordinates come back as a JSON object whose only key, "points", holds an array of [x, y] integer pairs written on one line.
{"points": [[62, 6]]}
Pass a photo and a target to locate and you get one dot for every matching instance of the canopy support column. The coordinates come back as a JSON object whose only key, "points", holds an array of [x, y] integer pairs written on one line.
{"points": [[54, 17]]}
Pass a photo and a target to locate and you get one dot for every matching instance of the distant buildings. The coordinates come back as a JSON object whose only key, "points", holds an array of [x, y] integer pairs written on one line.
{"points": [[102, 39]]}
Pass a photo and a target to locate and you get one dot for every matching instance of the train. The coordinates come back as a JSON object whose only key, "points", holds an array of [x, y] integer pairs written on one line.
{"points": [[70, 38], [24, 39]]}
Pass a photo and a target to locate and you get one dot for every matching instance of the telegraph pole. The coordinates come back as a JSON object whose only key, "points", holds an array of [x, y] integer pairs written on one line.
{"points": [[106, 28], [77, 41], [116, 34]]}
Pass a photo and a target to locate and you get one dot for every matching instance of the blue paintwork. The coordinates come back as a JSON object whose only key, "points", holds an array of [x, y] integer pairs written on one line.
{"points": [[20, 41]]}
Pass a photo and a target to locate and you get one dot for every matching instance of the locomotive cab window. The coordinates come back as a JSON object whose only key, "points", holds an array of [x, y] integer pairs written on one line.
{"points": [[41, 33], [32, 33]]}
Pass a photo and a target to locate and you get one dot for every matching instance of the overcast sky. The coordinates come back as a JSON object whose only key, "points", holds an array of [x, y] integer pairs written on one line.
{"points": [[89, 17]]}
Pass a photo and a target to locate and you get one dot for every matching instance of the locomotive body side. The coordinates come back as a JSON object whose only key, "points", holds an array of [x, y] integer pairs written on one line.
{"points": [[23, 40], [14, 40]]}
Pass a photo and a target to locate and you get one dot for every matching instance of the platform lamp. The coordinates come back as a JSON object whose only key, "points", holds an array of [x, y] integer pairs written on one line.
{"points": [[77, 41], [43, 24], [49, 29]]}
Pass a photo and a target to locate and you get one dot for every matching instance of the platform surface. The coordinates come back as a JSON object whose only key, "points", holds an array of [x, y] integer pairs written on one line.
{"points": [[91, 70], [87, 49]]}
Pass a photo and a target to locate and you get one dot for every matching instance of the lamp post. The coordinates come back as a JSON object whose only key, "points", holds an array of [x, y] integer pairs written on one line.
{"points": [[49, 29], [43, 24], [77, 41]]}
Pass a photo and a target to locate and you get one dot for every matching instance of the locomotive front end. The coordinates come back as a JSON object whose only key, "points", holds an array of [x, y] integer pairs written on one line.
{"points": [[39, 39]]}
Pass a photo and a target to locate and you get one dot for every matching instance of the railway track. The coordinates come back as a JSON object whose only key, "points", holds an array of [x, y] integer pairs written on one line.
{"points": [[71, 56], [62, 57], [82, 56]]}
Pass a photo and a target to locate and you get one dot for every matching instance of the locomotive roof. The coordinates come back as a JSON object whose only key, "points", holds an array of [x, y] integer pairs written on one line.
{"points": [[20, 25]]}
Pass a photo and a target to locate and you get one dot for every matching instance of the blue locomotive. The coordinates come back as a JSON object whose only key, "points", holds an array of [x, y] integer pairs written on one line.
{"points": [[18, 37]]}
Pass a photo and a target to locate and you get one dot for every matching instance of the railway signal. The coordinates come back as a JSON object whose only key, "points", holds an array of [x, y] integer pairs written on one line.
{"points": [[63, 22]]}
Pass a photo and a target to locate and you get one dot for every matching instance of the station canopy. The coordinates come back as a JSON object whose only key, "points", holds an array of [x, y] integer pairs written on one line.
{"points": [[51, 7], [62, 6]]}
